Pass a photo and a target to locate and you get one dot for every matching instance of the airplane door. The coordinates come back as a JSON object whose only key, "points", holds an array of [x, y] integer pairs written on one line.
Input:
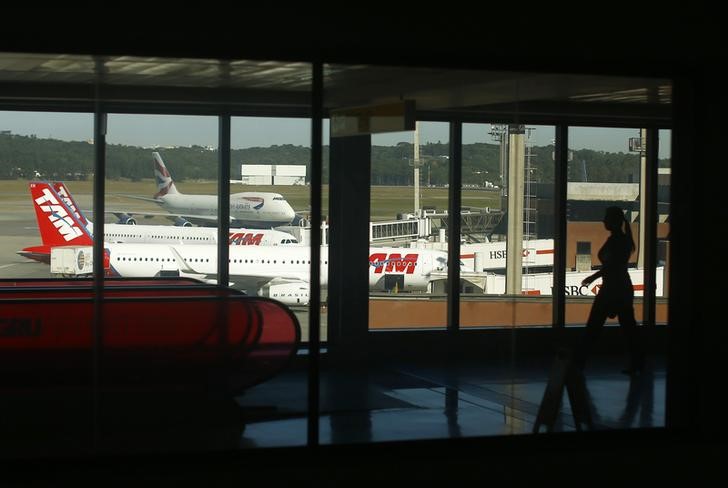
{"points": [[393, 282]]}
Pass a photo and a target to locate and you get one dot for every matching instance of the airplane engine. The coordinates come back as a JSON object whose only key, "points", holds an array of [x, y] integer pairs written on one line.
{"points": [[180, 222], [126, 220], [288, 293]]}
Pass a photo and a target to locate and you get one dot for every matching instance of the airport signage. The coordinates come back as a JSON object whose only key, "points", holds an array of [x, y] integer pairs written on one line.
{"points": [[373, 119]]}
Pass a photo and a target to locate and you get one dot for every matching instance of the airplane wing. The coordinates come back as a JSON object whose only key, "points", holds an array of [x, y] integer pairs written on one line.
{"points": [[139, 197], [251, 283], [124, 214], [248, 282]]}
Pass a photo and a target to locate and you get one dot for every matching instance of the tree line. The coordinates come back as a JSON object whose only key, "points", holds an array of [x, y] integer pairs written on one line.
{"points": [[28, 157]]}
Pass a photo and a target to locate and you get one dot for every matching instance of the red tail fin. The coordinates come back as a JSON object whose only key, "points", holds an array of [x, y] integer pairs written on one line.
{"points": [[56, 222], [70, 202]]}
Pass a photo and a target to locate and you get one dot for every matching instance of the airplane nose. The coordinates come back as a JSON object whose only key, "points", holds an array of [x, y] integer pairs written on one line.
{"points": [[289, 213]]}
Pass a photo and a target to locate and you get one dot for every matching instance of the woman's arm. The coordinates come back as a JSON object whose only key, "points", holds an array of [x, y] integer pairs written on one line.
{"points": [[587, 281]]}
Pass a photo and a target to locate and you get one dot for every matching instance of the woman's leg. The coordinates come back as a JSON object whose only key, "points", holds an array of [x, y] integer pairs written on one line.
{"points": [[594, 324], [635, 348]]}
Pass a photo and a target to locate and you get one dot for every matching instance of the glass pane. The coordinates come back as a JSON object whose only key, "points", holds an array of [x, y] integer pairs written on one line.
{"points": [[41, 147], [270, 191], [408, 228], [523, 154], [161, 188], [46, 358], [270, 257], [598, 179], [605, 269], [664, 202]]}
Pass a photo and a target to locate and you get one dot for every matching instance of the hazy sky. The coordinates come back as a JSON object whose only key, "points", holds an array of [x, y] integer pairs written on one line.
{"points": [[169, 130]]}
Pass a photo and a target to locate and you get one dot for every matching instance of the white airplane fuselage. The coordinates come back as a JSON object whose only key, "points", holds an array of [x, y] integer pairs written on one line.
{"points": [[247, 209], [290, 263], [168, 234]]}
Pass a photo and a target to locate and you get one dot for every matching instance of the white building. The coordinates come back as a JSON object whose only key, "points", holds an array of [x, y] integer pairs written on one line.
{"points": [[273, 174]]}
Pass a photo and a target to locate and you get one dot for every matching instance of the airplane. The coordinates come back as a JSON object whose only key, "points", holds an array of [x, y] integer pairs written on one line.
{"points": [[280, 272], [258, 210], [53, 203]]}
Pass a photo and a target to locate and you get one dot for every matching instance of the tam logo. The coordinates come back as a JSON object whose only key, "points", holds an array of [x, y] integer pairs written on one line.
{"points": [[393, 263], [67, 200], [245, 239], [57, 215]]}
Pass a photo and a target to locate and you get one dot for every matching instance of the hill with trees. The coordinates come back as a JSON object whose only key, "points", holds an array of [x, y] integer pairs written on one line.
{"points": [[28, 157]]}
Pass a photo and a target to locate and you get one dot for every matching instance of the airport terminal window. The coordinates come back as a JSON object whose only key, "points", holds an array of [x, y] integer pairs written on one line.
{"points": [[125, 163], [43, 146], [664, 203], [156, 165], [272, 156], [408, 263], [602, 173], [507, 169], [607, 190]]}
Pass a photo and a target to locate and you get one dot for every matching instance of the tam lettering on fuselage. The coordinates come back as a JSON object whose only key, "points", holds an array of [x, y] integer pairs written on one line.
{"points": [[58, 216], [245, 239], [393, 263]]}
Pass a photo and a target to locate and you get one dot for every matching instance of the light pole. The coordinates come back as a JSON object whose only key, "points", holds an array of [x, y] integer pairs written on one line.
{"points": [[499, 133], [416, 163], [638, 145]]}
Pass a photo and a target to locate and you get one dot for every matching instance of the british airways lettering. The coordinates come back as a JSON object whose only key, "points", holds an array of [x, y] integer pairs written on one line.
{"points": [[393, 263], [257, 202], [58, 216], [245, 239]]}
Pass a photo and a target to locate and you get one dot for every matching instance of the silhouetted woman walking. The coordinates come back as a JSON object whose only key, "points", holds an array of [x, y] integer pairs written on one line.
{"points": [[616, 295]]}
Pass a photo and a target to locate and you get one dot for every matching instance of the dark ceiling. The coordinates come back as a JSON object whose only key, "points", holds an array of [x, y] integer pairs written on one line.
{"points": [[254, 87]]}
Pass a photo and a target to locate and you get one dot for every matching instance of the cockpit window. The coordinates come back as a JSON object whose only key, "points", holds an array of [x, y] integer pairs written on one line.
{"points": [[278, 198]]}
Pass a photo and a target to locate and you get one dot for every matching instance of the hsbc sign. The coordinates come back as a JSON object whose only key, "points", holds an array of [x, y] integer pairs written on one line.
{"points": [[393, 263]]}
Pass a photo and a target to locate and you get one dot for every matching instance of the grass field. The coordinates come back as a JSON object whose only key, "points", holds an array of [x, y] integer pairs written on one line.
{"points": [[386, 201]]}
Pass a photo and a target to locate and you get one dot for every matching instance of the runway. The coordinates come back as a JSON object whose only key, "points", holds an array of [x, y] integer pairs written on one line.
{"points": [[18, 229]]}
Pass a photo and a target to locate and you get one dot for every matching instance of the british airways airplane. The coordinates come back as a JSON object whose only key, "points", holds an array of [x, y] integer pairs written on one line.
{"points": [[258, 210], [53, 203]]}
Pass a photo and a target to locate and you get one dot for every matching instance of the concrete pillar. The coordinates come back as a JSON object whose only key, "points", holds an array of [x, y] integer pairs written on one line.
{"points": [[416, 164], [643, 201], [349, 203], [514, 241]]}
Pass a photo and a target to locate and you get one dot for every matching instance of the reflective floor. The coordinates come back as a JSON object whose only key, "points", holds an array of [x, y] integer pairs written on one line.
{"points": [[461, 399], [377, 402]]}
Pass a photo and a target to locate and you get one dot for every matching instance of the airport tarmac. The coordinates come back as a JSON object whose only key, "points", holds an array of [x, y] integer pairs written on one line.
{"points": [[18, 229]]}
